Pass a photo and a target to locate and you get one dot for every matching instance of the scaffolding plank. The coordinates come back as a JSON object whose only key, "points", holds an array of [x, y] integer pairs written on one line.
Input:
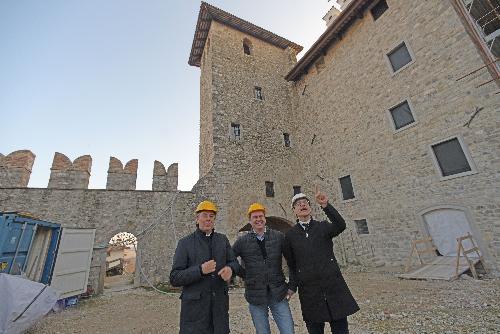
{"points": [[441, 268]]}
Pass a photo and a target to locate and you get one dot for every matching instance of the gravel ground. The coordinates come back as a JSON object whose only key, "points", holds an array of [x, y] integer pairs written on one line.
{"points": [[388, 305]]}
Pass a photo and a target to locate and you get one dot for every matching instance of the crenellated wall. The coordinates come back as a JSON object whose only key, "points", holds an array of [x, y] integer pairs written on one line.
{"points": [[158, 218], [15, 172]]}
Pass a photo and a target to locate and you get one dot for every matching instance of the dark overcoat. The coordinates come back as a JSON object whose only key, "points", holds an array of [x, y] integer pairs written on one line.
{"points": [[204, 298], [323, 293]]}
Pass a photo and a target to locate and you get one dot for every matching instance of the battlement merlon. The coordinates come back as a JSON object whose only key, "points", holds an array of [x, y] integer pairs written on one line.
{"points": [[165, 180], [65, 174], [122, 178], [15, 169]]}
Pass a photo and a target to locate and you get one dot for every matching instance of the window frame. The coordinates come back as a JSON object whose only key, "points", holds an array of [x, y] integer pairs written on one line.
{"points": [[342, 193], [258, 89], [357, 228], [270, 195], [294, 188], [247, 43], [473, 169], [375, 5], [285, 135], [392, 49], [232, 135], [391, 119]]}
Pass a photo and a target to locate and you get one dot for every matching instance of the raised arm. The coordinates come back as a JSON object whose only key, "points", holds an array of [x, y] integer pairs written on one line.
{"points": [[337, 225]]}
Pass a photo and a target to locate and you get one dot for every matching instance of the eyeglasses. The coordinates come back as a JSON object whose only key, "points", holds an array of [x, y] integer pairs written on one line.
{"points": [[301, 202]]}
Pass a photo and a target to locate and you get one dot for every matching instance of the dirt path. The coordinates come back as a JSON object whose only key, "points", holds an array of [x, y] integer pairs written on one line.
{"points": [[388, 305]]}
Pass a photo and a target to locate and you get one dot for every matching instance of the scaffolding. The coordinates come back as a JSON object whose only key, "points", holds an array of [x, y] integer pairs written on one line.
{"points": [[486, 17]]}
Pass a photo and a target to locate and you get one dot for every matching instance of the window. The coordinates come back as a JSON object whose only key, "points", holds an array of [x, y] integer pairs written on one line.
{"points": [[269, 189], [296, 190], [401, 115], [452, 159], [258, 93], [247, 47], [379, 9], [286, 139], [346, 186], [235, 131], [399, 57], [361, 226]]}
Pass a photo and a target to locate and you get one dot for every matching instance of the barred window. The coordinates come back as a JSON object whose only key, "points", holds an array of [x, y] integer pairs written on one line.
{"points": [[362, 226], [235, 131], [258, 93]]}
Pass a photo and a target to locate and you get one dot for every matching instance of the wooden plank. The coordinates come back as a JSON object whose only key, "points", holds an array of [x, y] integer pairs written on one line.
{"points": [[441, 268]]}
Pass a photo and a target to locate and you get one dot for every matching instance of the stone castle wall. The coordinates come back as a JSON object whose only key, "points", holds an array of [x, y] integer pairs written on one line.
{"points": [[394, 178], [158, 218], [339, 124]]}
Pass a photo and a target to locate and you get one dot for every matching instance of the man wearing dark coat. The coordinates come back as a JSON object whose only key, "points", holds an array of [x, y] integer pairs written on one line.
{"points": [[203, 264], [265, 287], [324, 295]]}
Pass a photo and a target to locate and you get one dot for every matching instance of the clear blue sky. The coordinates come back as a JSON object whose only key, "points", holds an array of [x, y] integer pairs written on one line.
{"points": [[110, 78]]}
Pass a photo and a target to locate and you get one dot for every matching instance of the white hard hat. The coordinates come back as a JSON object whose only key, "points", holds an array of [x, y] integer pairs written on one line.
{"points": [[297, 197]]}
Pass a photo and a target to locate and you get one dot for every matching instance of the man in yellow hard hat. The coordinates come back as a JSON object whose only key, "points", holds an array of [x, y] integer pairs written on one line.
{"points": [[203, 264], [265, 285]]}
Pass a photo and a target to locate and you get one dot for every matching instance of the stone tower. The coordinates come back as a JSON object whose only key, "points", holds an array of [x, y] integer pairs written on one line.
{"points": [[246, 117]]}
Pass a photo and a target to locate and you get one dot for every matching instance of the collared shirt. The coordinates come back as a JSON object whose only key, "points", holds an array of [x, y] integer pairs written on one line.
{"points": [[302, 223], [259, 237]]}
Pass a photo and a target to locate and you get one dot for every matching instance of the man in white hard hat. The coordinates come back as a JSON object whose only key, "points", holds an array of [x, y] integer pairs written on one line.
{"points": [[203, 264], [265, 286], [323, 293]]}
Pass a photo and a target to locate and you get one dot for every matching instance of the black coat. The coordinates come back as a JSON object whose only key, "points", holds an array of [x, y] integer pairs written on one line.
{"points": [[264, 278], [314, 270], [203, 296]]}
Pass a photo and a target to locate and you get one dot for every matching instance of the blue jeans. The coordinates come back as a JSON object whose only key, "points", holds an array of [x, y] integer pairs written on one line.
{"points": [[281, 314]]}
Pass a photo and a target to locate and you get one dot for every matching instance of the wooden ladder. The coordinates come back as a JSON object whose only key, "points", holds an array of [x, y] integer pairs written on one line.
{"points": [[414, 249], [461, 250]]}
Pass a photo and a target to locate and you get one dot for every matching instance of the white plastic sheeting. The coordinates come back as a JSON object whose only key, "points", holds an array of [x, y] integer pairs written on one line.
{"points": [[445, 226], [23, 302]]}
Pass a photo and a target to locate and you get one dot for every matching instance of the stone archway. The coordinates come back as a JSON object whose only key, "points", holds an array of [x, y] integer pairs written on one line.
{"points": [[121, 261], [275, 223]]}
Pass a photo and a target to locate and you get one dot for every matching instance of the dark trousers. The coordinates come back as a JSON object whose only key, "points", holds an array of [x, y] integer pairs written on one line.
{"points": [[339, 326]]}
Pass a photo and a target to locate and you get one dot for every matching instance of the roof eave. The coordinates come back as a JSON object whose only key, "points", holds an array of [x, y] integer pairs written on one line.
{"points": [[330, 35], [209, 13]]}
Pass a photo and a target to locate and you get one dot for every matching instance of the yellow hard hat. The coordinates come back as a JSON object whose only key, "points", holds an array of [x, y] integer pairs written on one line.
{"points": [[256, 207], [206, 206]]}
